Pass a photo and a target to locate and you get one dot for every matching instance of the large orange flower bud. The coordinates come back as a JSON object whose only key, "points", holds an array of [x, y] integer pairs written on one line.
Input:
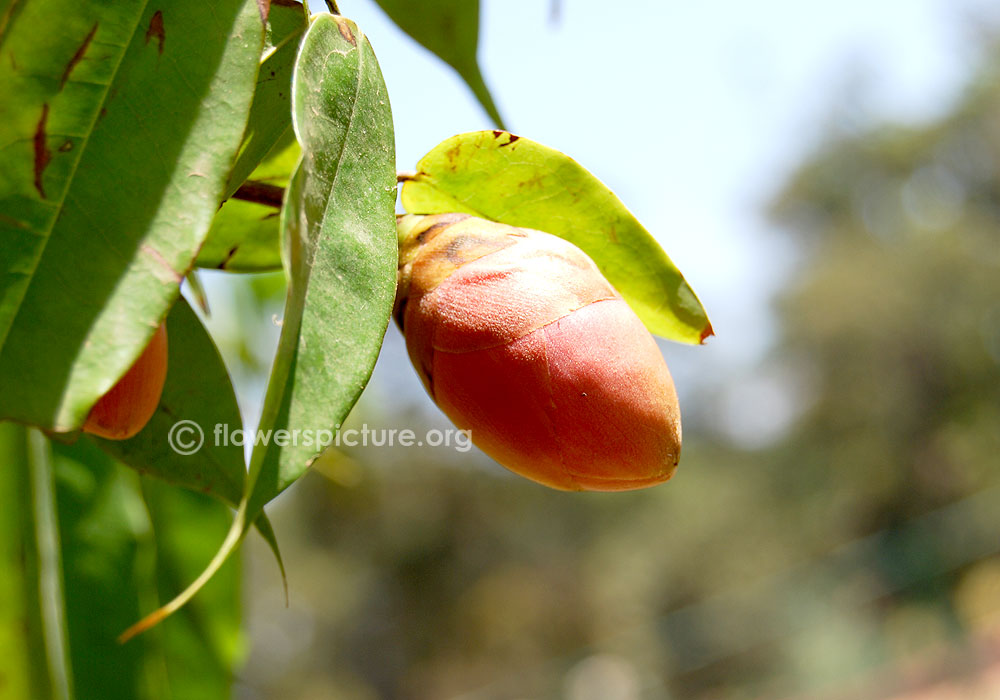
{"points": [[131, 402], [519, 338]]}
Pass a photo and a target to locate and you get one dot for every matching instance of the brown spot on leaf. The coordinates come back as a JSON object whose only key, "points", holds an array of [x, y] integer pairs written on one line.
{"points": [[512, 140], [67, 145], [613, 234], [265, 9], [345, 32], [78, 56], [42, 153], [14, 222], [705, 333], [156, 30], [170, 273], [229, 256], [497, 134]]}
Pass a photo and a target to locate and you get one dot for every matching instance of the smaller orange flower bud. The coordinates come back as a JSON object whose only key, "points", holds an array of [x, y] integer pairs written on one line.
{"points": [[131, 402], [519, 338]]}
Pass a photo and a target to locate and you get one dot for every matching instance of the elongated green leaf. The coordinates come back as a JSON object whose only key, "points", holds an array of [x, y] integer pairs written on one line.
{"points": [[52, 94], [114, 163], [245, 235], [202, 646], [271, 112], [449, 29], [123, 548], [101, 519], [339, 227], [340, 244], [23, 660], [499, 176]]}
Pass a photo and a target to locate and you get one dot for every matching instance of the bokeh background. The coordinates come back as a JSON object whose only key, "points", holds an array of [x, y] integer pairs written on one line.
{"points": [[828, 178]]}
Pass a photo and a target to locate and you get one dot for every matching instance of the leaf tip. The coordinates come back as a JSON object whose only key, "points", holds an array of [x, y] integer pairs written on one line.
{"points": [[146, 623], [706, 333], [345, 31]]}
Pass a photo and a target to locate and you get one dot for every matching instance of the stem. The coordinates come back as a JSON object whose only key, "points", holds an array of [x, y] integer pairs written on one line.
{"points": [[261, 193], [50, 591], [332, 6], [272, 195]]}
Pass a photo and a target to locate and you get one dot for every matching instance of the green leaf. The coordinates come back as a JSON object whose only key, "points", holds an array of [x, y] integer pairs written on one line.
{"points": [[118, 133], [449, 29], [245, 236], [270, 114], [123, 547], [516, 181], [203, 645], [24, 665], [339, 227], [48, 89], [197, 396], [340, 245], [198, 403], [101, 520]]}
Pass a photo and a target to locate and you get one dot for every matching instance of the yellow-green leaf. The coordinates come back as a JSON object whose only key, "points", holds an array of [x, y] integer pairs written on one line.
{"points": [[513, 180]]}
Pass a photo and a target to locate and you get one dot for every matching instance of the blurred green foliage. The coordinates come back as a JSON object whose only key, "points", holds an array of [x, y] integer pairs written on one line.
{"points": [[861, 539], [72, 583]]}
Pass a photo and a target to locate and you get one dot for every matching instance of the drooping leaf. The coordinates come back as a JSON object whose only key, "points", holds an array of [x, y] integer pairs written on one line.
{"points": [[114, 163], [340, 246], [340, 260], [449, 29], [270, 114], [124, 547], [513, 180], [245, 235], [24, 665], [101, 520], [204, 644]]}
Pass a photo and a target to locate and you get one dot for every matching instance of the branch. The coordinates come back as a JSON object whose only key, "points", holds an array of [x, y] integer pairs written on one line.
{"points": [[261, 193], [272, 195]]}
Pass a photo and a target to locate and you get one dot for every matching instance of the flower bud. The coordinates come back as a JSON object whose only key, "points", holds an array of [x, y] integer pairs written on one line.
{"points": [[519, 339], [131, 402]]}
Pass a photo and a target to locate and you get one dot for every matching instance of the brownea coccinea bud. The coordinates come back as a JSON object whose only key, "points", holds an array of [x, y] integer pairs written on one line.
{"points": [[131, 402], [519, 338]]}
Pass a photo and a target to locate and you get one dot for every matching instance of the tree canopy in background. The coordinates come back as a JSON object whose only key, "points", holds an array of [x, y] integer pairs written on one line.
{"points": [[861, 541]]}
